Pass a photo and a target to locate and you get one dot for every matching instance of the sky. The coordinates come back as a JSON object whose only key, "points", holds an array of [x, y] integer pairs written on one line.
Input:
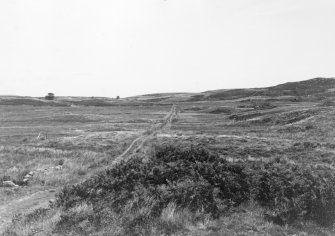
{"points": [[132, 47]]}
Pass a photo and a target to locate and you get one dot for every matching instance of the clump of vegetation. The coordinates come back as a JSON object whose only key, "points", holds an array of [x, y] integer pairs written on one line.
{"points": [[247, 116], [328, 103], [296, 129], [194, 179], [262, 105], [50, 96], [257, 104], [17, 178], [296, 116], [179, 186], [191, 178], [294, 193], [220, 110]]}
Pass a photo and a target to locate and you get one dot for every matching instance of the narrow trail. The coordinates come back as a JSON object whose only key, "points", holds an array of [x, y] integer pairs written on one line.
{"points": [[25, 204], [139, 142], [41, 199]]}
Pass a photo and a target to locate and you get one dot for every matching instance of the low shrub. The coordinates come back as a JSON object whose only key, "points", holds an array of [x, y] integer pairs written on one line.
{"points": [[194, 179], [296, 193]]}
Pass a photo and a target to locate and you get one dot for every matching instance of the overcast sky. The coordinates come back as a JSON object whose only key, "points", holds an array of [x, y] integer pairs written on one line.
{"points": [[131, 47]]}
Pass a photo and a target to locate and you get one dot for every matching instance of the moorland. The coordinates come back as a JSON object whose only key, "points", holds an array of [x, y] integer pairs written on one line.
{"points": [[225, 162]]}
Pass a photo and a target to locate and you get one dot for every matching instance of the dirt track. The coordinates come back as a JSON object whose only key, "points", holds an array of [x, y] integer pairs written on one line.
{"points": [[138, 142], [24, 205], [41, 199]]}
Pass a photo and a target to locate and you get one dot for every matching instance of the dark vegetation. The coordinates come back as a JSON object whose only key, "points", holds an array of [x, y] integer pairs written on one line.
{"points": [[232, 94], [198, 97], [92, 102], [17, 179], [257, 105], [295, 193], [192, 178], [195, 179], [328, 103], [270, 148], [303, 88], [317, 87], [50, 96], [221, 110], [275, 117]]}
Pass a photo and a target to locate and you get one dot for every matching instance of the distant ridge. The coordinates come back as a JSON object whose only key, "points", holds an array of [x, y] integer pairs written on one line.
{"points": [[306, 87], [320, 87], [312, 89], [316, 86]]}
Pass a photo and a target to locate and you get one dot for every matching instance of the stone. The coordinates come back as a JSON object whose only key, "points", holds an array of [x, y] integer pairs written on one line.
{"points": [[13, 169], [9, 184], [52, 202], [59, 167]]}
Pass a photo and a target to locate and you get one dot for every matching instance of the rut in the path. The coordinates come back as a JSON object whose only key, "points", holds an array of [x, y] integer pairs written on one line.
{"points": [[24, 205], [41, 199], [138, 142]]}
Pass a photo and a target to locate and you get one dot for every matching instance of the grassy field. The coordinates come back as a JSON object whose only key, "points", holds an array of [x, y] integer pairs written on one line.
{"points": [[80, 139], [66, 145], [303, 132]]}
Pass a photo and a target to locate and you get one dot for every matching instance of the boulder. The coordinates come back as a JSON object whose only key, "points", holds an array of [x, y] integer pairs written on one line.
{"points": [[13, 169], [59, 167], [9, 184]]}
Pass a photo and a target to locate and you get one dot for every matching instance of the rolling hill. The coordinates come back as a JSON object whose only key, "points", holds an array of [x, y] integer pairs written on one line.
{"points": [[313, 89], [308, 90]]}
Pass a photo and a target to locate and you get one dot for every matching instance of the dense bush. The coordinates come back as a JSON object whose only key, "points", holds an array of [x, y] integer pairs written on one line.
{"points": [[296, 193], [192, 178]]}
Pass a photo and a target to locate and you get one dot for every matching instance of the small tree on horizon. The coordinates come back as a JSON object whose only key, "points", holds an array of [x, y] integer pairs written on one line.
{"points": [[50, 96]]}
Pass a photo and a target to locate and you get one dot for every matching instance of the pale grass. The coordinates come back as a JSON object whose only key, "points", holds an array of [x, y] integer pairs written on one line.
{"points": [[173, 218], [248, 220], [82, 209], [41, 227], [71, 171], [42, 161]]}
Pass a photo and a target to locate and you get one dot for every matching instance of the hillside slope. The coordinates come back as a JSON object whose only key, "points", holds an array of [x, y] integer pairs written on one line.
{"points": [[322, 87], [317, 87], [313, 89]]}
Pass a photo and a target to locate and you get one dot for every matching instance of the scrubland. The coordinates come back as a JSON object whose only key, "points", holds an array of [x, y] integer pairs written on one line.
{"points": [[246, 166], [60, 151]]}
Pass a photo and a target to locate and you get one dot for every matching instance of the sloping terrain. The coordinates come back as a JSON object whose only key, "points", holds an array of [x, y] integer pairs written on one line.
{"points": [[316, 88], [234, 162], [41, 199], [309, 90]]}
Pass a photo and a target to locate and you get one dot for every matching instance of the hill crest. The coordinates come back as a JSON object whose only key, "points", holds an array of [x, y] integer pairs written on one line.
{"points": [[316, 88]]}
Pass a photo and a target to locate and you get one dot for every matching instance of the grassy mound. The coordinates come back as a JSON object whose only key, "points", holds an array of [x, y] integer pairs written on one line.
{"points": [[191, 178], [295, 193], [194, 179], [179, 186]]}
